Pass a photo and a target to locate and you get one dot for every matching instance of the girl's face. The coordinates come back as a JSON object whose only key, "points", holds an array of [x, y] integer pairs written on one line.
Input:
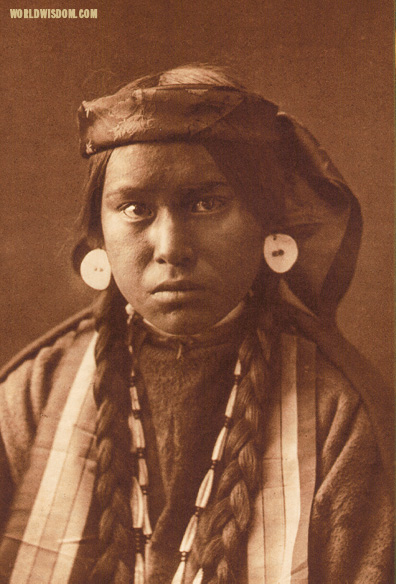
{"points": [[183, 247]]}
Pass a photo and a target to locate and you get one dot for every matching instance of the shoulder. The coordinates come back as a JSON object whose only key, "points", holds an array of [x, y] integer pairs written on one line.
{"points": [[346, 383], [351, 424], [333, 386], [344, 396], [45, 368], [50, 362], [338, 402], [352, 400], [320, 379], [59, 338]]}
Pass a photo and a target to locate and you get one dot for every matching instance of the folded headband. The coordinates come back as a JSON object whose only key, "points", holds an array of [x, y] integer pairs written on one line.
{"points": [[175, 112]]}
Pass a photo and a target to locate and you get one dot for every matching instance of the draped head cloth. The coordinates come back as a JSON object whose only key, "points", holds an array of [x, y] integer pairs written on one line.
{"points": [[267, 157], [272, 161]]}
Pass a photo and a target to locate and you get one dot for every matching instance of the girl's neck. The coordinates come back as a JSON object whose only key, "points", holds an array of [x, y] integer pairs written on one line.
{"points": [[229, 318], [229, 329]]}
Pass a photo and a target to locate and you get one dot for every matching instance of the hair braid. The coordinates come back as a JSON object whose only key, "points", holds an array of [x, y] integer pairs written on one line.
{"points": [[229, 517], [115, 465]]}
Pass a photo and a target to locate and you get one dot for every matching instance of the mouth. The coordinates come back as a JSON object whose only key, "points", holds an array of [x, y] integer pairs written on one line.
{"points": [[176, 286], [171, 290]]}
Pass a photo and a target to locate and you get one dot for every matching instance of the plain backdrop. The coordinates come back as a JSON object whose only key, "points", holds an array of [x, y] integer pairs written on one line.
{"points": [[328, 62]]}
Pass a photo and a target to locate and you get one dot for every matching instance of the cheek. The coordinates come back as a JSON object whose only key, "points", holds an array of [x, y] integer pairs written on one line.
{"points": [[240, 246], [125, 253]]}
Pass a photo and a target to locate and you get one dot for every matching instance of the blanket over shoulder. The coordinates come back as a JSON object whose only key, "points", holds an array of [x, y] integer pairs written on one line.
{"points": [[323, 515]]}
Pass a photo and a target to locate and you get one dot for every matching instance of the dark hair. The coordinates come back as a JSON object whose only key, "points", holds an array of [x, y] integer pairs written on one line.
{"points": [[223, 529], [89, 227]]}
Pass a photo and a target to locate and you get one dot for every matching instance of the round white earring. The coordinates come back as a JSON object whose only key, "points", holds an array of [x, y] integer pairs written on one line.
{"points": [[95, 269], [280, 252]]}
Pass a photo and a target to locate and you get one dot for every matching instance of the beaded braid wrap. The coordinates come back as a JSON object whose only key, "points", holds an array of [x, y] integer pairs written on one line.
{"points": [[139, 504], [140, 485]]}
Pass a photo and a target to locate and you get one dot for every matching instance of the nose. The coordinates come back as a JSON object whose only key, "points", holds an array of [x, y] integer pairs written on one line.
{"points": [[171, 240]]}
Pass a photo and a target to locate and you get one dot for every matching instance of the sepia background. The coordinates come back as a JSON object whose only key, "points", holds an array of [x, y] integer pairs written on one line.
{"points": [[328, 62]]}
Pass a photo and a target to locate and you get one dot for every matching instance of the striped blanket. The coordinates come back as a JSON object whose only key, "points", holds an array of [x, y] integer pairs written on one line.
{"points": [[45, 536]]}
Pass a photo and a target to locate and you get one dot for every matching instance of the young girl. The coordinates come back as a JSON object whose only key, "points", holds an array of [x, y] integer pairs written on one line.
{"points": [[205, 422]]}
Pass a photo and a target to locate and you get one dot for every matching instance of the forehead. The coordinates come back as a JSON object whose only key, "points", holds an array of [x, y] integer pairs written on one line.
{"points": [[160, 166]]}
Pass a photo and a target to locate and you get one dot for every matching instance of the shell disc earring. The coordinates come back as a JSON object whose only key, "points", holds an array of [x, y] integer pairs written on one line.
{"points": [[280, 252], [95, 269]]}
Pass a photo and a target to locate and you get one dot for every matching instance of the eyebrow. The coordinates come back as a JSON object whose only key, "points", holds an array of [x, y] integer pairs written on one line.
{"points": [[136, 192]]}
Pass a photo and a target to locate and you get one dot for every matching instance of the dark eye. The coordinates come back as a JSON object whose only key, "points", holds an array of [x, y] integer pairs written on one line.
{"points": [[207, 205], [137, 211]]}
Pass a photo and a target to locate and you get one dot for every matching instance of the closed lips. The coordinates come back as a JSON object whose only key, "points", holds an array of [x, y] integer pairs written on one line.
{"points": [[176, 286]]}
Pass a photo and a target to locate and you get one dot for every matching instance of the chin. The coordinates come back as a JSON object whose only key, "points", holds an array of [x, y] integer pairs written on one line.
{"points": [[184, 322]]}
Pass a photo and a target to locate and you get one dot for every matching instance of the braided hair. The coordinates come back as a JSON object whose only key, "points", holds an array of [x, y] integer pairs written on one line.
{"points": [[115, 464], [223, 528]]}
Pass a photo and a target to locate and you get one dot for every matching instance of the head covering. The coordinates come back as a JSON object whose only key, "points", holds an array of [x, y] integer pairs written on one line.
{"points": [[174, 112], [252, 142], [248, 137]]}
